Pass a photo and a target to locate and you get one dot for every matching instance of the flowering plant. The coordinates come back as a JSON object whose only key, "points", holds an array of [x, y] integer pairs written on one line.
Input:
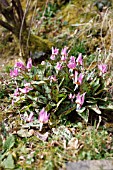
{"points": [[62, 86]]}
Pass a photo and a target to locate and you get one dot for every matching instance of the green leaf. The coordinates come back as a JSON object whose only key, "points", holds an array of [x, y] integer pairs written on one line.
{"points": [[24, 133], [68, 109], [99, 92], [55, 93], [83, 114], [26, 108], [95, 108], [9, 143], [50, 105], [95, 84], [61, 82], [91, 101], [8, 163], [107, 107], [58, 104], [38, 82]]}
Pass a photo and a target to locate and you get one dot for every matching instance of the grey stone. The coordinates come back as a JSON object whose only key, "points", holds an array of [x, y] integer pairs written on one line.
{"points": [[90, 165]]}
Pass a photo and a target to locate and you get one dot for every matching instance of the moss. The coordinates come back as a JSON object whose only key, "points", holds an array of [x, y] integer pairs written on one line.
{"points": [[39, 44], [36, 44]]}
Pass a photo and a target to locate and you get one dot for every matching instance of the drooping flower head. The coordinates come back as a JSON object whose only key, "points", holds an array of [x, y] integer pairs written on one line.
{"points": [[26, 89], [20, 65], [54, 53], [72, 59], [58, 66], [72, 63], [14, 73], [30, 117], [79, 60], [80, 100], [29, 63], [52, 57], [52, 78], [64, 51], [102, 68], [43, 116], [71, 96], [63, 58], [78, 79], [16, 92]]}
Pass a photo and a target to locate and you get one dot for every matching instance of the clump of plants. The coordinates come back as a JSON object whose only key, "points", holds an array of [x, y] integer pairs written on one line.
{"points": [[65, 85]]}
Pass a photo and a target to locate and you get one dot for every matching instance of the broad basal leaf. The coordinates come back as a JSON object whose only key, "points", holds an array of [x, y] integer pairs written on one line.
{"points": [[84, 114], [24, 133], [8, 163], [67, 109], [107, 107], [9, 143], [95, 108]]}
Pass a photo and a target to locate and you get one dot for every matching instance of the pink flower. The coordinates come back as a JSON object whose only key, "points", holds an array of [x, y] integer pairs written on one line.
{"points": [[14, 73], [76, 77], [63, 58], [102, 68], [16, 93], [53, 57], [64, 51], [20, 65], [12, 102], [72, 63], [79, 59], [43, 63], [72, 59], [58, 66], [52, 78], [26, 89], [71, 96], [80, 100], [30, 118], [27, 84], [78, 80], [55, 51], [43, 117], [29, 63]]}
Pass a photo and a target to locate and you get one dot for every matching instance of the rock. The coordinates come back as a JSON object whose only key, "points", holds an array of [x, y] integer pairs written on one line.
{"points": [[90, 165]]}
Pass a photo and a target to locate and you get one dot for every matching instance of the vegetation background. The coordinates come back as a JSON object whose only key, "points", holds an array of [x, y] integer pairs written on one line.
{"points": [[81, 27]]}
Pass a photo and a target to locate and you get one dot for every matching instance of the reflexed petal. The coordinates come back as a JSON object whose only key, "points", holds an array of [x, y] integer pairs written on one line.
{"points": [[79, 59], [29, 63]]}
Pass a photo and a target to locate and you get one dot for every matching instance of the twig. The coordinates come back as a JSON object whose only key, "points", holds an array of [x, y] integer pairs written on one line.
{"points": [[24, 16]]}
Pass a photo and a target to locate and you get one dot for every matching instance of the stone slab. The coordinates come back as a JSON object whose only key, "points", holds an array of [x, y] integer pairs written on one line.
{"points": [[90, 165]]}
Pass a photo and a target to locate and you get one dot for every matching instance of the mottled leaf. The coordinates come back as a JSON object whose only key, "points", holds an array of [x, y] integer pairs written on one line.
{"points": [[95, 108], [8, 163], [83, 114], [24, 133], [38, 82], [9, 143], [107, 107]]}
